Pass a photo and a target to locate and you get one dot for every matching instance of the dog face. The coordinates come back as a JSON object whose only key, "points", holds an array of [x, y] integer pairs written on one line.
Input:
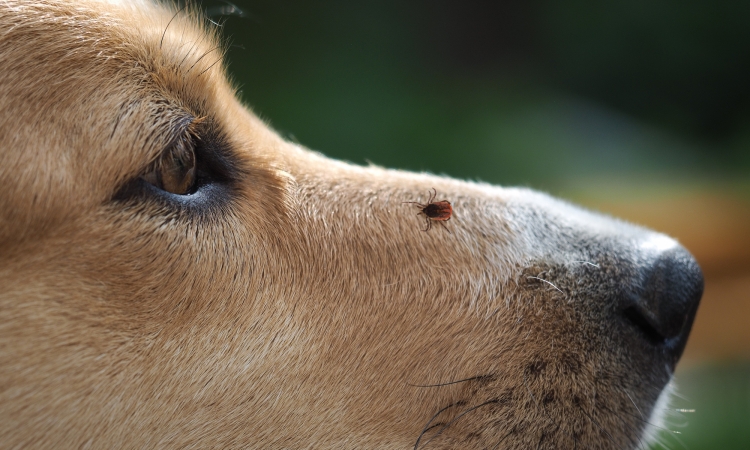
{"points": [[175, 274]]}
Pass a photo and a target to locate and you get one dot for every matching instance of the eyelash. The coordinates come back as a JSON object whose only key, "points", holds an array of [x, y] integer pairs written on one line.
{"points": [[176, 169]]}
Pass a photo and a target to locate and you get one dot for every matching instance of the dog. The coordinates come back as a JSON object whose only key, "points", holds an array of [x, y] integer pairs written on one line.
{"points": [[174, 274]]}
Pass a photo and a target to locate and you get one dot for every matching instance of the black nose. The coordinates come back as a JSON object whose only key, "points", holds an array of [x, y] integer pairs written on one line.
{"points": [[664, 301]]}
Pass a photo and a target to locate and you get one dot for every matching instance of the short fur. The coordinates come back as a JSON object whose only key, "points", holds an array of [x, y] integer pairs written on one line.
{"points": [[293, 303]]}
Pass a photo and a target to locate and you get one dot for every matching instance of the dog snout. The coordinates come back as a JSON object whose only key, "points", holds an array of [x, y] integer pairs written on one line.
{"points": [[665, 298]]}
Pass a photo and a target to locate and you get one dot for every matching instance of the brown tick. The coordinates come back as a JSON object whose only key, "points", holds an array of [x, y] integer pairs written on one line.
{"points": [[439, 211]]}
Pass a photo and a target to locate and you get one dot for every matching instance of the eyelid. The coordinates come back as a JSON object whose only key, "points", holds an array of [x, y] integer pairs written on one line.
{"points": [[175, 169], [182, 130]]}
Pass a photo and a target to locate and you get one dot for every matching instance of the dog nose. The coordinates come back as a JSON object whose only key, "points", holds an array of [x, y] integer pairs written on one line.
{"points": [[665, 298]]}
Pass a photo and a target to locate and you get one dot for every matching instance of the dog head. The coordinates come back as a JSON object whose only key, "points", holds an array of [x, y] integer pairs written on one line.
{"points": [[173, 273]]}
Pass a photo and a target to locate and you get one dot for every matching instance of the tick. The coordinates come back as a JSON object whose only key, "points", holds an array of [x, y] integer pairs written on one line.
{"points": [[438, 211]]}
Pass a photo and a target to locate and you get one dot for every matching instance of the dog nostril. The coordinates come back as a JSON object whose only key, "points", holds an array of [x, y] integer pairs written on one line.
{"points": [[639, 319], [668, 295]]}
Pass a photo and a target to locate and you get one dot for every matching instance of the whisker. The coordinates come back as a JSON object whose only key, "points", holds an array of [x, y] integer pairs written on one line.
{"points": [[190, 50], [168, 24], [478, 377], [589, 263], [427, 425], [677, 394], [447, 425], [679, 441], [648, 423], [636, 406], [209, 67], [203, 56], [548, 282]]}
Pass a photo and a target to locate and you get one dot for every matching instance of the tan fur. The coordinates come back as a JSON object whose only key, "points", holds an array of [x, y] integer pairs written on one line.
{"points": [[306, 309]]}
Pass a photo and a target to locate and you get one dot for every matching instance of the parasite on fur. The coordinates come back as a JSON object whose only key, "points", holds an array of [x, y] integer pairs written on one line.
{"points": [[438, 211]]}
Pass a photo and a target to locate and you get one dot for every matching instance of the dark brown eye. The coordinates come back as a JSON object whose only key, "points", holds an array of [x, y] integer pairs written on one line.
{"points": [[174, 171]]}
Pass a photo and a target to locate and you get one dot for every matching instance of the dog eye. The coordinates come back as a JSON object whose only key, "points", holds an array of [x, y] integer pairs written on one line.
{"points": [[175, 170]]}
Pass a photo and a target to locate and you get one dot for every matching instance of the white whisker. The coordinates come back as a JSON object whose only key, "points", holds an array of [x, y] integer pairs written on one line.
{"points": [[589, 263], [636, 406], [548, 282]]}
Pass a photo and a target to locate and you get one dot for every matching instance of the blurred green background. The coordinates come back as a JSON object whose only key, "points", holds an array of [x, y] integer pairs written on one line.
{"points": [[638, 108]]}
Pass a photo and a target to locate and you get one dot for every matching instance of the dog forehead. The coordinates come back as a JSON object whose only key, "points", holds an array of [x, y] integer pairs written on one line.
{"points": [[134, 39], [85, 62]]}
